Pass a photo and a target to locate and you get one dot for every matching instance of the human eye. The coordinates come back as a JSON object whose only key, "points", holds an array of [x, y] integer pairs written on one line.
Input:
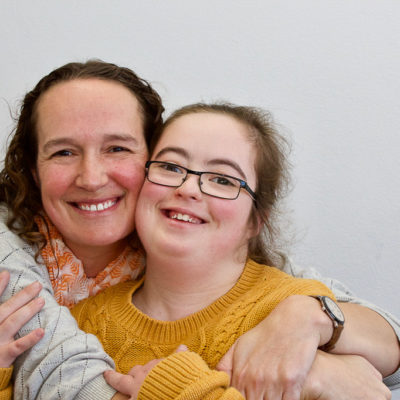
{"points": [[223, 180], [118, 149], [169, 167], [62, 153]]}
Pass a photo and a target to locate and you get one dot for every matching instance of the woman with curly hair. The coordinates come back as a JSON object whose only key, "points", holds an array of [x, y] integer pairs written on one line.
{"points": [[69, 188]]}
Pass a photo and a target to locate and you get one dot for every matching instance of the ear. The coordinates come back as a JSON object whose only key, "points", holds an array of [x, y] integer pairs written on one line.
{"points": [[256, 224]]}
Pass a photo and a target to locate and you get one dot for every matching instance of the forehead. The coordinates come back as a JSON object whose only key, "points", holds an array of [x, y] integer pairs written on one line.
{"points": [[208, 128], [85, 105], [208, 136]]}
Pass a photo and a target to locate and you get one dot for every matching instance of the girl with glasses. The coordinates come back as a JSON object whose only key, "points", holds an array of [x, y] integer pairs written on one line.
{"points": [[204, 217], [68, 190]]}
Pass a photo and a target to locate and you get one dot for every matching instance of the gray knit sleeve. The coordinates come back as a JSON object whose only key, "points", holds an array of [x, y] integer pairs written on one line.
{"points": [[344, 294], [67, 363]]}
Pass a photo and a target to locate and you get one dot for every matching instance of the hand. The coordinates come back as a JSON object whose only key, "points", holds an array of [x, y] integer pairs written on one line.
{"points": [[344, 377], [14, 314], [272, 360], [130, 384]]}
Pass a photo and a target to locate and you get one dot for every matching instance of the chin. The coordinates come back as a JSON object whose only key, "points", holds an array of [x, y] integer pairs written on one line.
{"points": [[177, 250], [99, 239]]}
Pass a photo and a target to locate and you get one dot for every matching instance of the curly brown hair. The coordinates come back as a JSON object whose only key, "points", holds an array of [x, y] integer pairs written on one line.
{"points": [[18, 189], [271, 167]]}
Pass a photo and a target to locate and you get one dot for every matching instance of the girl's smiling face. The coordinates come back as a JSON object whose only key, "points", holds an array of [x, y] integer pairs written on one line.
{"points": [[184, 221]]}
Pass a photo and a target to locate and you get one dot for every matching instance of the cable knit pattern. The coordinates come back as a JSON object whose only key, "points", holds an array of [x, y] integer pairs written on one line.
{"points": [[66, 366], [130, 337], [185, 375]]}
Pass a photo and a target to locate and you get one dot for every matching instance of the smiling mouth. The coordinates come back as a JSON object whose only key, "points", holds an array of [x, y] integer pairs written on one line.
{"points": [[184, 217], [96, 206]]}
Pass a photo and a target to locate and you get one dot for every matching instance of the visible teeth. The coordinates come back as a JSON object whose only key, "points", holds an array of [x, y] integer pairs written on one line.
{"points": [[97, 207], [183, 217]]}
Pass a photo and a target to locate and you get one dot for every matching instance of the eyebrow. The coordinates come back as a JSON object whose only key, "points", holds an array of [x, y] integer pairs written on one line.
{"points": [[177, 150], [108, 137], [213, 162], [230, 163]]}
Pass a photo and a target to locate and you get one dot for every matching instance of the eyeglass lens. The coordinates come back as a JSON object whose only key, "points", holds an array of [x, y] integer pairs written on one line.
{"points": [[210, 183]]}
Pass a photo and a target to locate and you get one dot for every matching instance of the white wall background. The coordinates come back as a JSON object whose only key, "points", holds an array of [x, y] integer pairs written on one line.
{"points": [[329, 71]]}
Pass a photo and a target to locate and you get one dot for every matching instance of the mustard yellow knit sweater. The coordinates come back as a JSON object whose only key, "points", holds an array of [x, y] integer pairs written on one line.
{"points": [[5, 383], [130, 337]]}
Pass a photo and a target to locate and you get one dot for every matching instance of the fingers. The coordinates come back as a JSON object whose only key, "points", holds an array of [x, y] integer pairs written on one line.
{"points": [[4, 278], [13, 321], [255, 388], [180, 348], [140, 371], [8, 353], [18, 300], [267, 383], [137, 374], [120, 382], [226, 363], [14, 314], [19, 309], [26, 342]]}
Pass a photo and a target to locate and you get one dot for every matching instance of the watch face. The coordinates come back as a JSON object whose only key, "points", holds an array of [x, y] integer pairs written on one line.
{"points": [[334, 309]]}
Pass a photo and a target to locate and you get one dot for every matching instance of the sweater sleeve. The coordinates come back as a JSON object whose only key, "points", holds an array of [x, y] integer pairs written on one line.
{"points": [[344, 294], [67, 363], [186, 376], [5, 383]]}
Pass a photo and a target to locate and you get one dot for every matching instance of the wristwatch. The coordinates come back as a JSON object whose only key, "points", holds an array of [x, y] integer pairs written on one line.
{"points": [[333, 311]]}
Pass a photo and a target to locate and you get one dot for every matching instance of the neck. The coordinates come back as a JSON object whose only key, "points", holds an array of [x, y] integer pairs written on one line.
{"points": [[176, 289], [96, 258]]}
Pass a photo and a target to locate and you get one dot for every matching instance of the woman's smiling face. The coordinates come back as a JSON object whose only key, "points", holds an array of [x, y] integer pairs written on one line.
{"points": [[91, 156], [184, 221]]}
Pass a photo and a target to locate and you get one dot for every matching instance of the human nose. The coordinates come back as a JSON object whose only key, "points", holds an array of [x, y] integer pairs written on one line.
{"points": [[190, 187], [92, 174]]}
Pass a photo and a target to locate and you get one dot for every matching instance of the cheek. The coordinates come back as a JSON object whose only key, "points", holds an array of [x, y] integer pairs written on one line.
{"points": [[53, 181], [150, 195], [129, 175], [231, 210], [235, 216]]}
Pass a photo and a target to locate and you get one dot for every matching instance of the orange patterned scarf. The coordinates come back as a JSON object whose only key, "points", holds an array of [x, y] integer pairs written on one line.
{"points": [[68, 278]]}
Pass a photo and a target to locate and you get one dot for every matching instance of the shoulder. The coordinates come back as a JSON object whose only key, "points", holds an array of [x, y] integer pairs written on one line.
{"points": [[279, 282], [268, 273], [15, 253], [9, 240]]}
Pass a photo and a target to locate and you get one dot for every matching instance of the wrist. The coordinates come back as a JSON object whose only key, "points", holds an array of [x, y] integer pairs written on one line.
{"points": [[322, 323], [305, 314], [333, 312]]}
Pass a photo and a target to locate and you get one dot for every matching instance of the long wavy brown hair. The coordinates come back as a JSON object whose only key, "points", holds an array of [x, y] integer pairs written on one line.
{"points": [[271, 167], [18, 189]]}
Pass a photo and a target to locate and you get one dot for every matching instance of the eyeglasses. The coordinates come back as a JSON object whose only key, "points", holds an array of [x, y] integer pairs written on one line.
{"points": [[216, 185]]}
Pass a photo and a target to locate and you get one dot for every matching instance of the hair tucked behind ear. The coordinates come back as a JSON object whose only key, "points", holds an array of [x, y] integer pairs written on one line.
{"points": [[18, 189], [271, 166]]}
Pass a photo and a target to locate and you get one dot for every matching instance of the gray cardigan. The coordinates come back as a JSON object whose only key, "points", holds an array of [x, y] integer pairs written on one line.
{"points": [[68, 363]]}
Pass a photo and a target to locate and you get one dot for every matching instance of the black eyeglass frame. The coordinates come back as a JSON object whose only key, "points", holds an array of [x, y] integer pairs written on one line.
{"points": [[243, 184]]}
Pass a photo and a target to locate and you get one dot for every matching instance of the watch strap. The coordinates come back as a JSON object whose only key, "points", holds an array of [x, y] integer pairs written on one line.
{"points": [[337, 327], [337, 330]]}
